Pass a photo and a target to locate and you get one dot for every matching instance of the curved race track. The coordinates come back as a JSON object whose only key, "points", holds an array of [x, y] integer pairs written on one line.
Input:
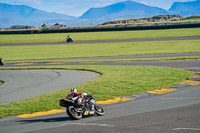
{"points": [[22, 84], [172, 112]]}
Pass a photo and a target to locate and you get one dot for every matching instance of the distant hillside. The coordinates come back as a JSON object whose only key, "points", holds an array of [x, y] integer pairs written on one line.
{"points": [[127, 9], [186, 9], [25, 15], [192, 18], [159, 18]]}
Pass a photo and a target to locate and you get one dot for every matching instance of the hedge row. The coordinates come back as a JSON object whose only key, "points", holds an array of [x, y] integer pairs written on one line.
{"points": [[68, 30]]}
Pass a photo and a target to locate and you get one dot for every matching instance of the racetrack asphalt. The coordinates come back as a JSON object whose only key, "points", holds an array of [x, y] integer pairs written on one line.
{"points": [[175, 120], [22, 84]]}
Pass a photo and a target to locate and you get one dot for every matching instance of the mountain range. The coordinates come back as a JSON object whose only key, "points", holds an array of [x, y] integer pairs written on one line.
{"points": [[25, 15], [186, 9], [126, 9]]}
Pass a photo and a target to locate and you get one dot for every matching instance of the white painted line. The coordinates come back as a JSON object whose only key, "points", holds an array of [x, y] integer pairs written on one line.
{"points": [[192, 129], [180, 98], [88, 124]]}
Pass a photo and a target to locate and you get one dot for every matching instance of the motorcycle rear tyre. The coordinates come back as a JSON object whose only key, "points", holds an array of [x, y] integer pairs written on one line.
{"points": [[72, 114]]}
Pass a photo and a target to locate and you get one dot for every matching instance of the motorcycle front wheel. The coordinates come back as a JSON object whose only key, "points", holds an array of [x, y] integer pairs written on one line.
{"points": [[99, 110], [73, 114]]}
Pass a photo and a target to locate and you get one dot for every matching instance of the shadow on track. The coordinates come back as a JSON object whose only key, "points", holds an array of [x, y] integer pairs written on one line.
{"points": [[57, 119]]}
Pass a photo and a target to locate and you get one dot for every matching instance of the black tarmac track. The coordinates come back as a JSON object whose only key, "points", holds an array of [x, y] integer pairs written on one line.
{"points": [[22, 84]]}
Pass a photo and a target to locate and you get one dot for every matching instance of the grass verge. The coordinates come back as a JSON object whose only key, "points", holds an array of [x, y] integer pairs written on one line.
{"points": [[1, 82], [115, 81], [109, 35], [97, 50], [61, 61]]}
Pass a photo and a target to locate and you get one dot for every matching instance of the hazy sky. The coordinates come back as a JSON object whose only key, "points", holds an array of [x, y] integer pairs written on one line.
{"points": [[78, 7]]}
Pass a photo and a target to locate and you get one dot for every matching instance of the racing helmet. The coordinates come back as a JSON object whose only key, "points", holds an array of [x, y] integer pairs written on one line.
{"points": [[73, 90]]}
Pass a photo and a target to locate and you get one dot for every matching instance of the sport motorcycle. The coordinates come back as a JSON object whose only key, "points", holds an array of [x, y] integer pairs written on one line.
{"points": [[76, 112]]}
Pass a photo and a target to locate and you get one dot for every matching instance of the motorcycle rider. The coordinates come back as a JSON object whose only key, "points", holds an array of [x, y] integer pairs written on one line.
{"points": [[1, 62], [69, 39], [81, 98]]}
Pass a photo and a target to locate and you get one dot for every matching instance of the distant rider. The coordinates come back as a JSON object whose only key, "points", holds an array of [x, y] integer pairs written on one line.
{"points": [[69, 39], [80, 98], [1, 62]]}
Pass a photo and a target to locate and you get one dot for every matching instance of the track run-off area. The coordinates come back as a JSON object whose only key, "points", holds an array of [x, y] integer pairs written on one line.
{"points": [[168, 110]]}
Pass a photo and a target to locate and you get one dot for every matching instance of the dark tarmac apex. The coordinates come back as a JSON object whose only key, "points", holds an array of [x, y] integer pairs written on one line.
{"points": [[22, 84]]}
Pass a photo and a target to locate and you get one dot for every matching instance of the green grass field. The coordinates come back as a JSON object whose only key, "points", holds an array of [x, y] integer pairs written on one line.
{"points": [[112, 35], [115, 81], [97, 50], [192, 18], [102, 60]]}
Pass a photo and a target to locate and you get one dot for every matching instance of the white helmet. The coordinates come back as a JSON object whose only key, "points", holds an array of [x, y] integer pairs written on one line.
{"points": [[73, 90]]}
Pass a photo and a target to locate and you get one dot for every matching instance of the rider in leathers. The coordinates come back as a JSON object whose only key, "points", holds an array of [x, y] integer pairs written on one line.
{"points": [[80, 98]]}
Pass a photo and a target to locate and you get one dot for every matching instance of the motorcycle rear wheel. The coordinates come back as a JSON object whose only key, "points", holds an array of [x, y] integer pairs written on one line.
{"points": [[71, 111]]}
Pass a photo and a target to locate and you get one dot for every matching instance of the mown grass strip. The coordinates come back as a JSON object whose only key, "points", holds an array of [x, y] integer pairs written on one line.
{"points": [[98, 50], [1, 82], [55, 62], [116, 81], [109, 35]]}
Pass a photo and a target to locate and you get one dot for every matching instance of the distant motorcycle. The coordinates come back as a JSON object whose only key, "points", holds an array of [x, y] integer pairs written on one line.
{"points": [[69, 39], [1, 62], [75, 112]]}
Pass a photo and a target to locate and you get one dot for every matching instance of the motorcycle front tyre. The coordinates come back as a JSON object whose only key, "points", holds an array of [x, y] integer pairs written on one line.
{"points": [[99, 110], [71, 111]]}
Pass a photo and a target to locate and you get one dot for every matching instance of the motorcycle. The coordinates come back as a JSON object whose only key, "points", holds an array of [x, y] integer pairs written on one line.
{"points": [[76, 112], [1, 62], [69, 39]]}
